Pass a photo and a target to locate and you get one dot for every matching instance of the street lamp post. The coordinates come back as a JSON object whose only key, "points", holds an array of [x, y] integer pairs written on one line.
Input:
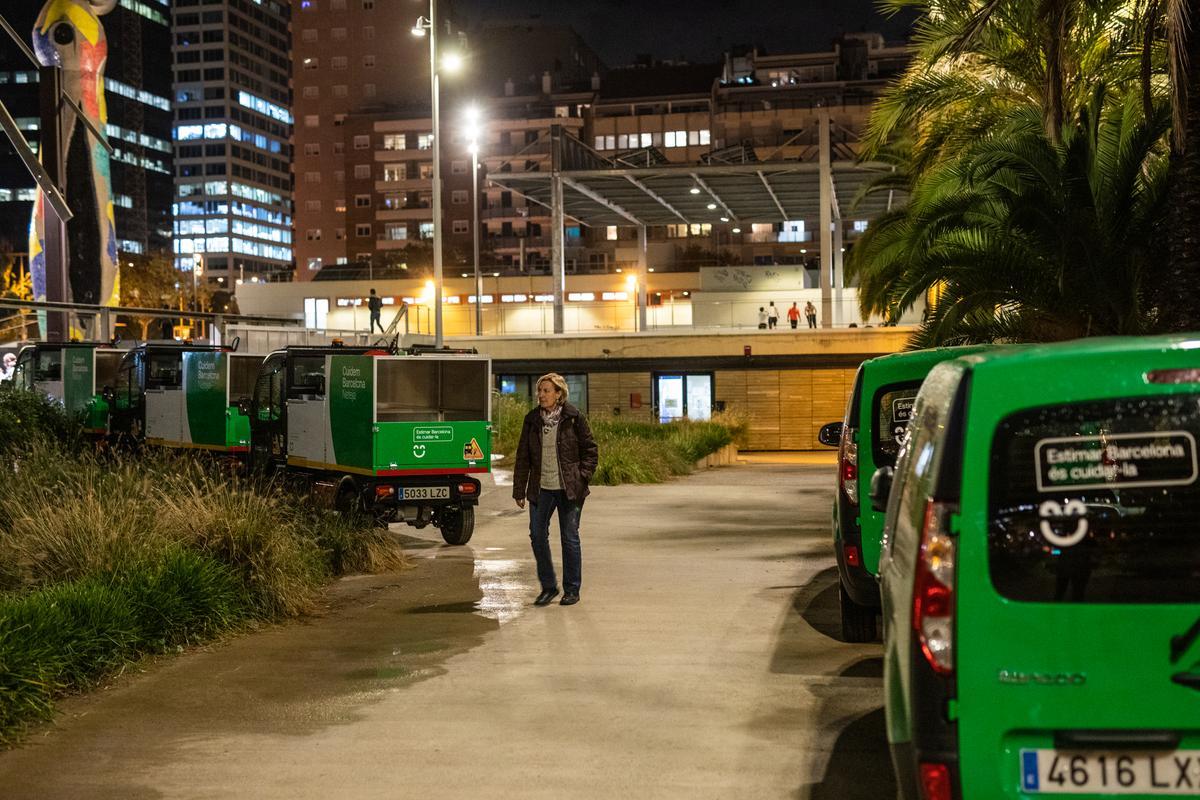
{"points": [[472, 120], [419, 29]]}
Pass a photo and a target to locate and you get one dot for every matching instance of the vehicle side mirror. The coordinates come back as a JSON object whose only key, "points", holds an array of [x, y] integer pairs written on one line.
{"points": [[319, 385], [830, 434], [243, 405], [109, 394], [881, 487]]}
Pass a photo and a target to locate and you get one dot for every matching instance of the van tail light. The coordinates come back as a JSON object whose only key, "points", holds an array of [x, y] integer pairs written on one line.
{"points": [[935, 781], [933, 590], [848, 464], [384, 491], [466, 488], [852, 554]]}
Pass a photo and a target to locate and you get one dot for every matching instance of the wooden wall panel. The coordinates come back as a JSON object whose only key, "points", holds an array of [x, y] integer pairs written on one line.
{"points": [[762, 401], [795, 408], [636, 382], [604, 393]]}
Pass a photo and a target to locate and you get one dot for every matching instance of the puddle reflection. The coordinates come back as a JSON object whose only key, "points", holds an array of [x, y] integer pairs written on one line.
{"points": [[504, 588]]}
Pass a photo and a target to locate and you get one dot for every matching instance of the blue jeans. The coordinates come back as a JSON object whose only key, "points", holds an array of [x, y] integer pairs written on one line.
{"points": [[568, 528]]}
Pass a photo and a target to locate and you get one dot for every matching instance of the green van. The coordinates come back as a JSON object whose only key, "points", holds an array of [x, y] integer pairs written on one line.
{"points": [[1041, 575], [890, 384]]}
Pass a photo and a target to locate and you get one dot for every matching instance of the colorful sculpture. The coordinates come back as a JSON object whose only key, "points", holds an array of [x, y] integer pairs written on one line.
{"points": [[68, 34]]}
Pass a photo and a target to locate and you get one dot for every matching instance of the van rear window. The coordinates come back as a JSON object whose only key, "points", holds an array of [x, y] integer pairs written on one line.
{"points": [[1097, 502], [892, 409]]}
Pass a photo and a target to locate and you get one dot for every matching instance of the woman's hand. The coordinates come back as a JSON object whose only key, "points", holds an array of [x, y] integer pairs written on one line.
{"points": [[520, 504]]}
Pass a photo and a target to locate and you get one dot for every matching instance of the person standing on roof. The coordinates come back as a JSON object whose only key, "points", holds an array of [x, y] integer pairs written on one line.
{"points": [[375, 306], [794, 316], [772, 315]]}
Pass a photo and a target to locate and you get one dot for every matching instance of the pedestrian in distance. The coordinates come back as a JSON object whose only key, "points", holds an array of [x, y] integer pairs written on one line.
{"points": [[762, 318], [556, 458], [810, 313], [375, 306], [794, 316], [772, 315]]}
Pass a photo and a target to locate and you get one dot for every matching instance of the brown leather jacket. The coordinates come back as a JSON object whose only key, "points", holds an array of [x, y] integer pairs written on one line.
{"points": [[577, 455]]}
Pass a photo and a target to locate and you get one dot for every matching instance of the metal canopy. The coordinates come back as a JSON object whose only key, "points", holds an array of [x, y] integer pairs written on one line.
{"points": [[662, 195]]}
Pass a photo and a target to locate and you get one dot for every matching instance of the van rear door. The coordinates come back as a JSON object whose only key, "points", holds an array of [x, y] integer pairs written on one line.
{"points": [[1078, 650]]}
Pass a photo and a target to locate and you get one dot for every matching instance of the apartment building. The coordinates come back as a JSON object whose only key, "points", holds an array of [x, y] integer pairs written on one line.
{"points": [[137, 92], [233, 126]]}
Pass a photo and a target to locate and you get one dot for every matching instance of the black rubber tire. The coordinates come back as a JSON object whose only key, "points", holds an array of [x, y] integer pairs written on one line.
{"points": [[858, 622], [347, 500], [457, 525]]}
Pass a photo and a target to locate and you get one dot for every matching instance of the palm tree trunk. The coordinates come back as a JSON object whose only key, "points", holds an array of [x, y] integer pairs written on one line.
{"points": [[1179, 305]]}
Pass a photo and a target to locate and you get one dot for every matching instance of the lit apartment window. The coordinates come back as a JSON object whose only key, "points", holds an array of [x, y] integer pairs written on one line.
{"points": [[312, 149], [678, 231], [424, 141], [339, 62], [459, 197], [599, 142], [610, 142], [312, 177], [700, 229], [338, 34], [312, 121], [312, 205], [393, 141], [312, 63], [362, 142], [362, 230], [313, 234], [312, 92], [458, 167], [340, 205], [362, 201], [426, 171], [341, 90], [395, 172], [308, 35], [622, 141], [693, 138], [368, 61], [426, 230], [461, 226], [395, 231], [610, 233], [705, 137], [645, 140], [362, 171]]}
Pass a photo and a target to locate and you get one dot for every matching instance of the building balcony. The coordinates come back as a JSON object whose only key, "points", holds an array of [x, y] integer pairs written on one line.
{"points": [[423, 213], [408, 184], [514, 212]]}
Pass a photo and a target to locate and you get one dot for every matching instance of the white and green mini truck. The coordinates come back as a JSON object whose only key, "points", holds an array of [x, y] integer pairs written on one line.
{"points": [[400, 437]]}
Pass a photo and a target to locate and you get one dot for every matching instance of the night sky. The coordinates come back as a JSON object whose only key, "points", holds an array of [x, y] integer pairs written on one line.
{"points": [[696, 30]]}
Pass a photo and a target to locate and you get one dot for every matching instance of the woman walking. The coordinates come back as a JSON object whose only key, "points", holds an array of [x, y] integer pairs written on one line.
{"points": [[556, 458]]}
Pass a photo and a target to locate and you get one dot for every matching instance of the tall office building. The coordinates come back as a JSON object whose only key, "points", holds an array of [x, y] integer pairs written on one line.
{"points": [[139, 124], [233, 126]]}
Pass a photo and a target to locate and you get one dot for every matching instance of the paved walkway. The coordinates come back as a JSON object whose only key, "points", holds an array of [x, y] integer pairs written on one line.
{"points": [[699, 664]]}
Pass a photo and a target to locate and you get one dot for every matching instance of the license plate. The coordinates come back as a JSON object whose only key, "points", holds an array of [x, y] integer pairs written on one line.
{"points": [[1075, 772], [425, 493]]}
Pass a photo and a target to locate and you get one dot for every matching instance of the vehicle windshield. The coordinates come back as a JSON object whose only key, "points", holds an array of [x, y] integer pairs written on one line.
{"points": [[891, 408], [1097, 502], [308, 374], [48, 366]]}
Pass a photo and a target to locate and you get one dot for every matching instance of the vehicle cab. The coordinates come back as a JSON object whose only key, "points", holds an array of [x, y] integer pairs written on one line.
{"points": [[72, 374]]}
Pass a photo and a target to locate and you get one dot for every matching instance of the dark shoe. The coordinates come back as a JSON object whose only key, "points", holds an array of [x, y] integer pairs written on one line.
{"points": [[546, 596], [569, 599]]}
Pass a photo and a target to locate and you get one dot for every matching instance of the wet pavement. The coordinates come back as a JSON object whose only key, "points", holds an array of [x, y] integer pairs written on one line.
{"points": [[701, 662]]}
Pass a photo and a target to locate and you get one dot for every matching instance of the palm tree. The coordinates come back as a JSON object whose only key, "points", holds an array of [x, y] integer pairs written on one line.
{"points": [[1027, 236]]}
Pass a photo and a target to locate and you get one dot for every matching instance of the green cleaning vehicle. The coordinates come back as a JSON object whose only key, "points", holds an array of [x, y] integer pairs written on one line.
{"points": [[73, 374], [1041, 575], [869, 437], [183, 396], [396, 436]]}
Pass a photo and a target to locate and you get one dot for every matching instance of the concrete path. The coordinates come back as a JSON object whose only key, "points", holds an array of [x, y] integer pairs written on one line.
{"points": [[701, 663]]}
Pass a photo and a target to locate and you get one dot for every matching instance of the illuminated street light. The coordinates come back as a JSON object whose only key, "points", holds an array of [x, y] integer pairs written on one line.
{"points": [[452, 62], [472, 129], [431, 24]]}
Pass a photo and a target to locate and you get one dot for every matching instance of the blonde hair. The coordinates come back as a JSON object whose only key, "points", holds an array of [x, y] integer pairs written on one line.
{"points": [[559, 382]]}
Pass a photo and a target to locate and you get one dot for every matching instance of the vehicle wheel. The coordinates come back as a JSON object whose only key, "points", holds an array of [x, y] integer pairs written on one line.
{"points": [[457, 524], [346, 501], [858, 622]]}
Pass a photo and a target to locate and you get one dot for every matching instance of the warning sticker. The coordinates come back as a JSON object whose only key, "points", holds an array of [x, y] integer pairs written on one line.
{"points": [[902, 408], [472, 452], [1122, 460]]}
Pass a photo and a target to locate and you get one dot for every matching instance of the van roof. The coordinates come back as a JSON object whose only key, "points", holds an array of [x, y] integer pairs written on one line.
{"points": [[917, 363], [1068, 354]]}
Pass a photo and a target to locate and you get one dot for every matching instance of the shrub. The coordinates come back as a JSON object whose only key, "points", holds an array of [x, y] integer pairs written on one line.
{"points": [[28, 416]]}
